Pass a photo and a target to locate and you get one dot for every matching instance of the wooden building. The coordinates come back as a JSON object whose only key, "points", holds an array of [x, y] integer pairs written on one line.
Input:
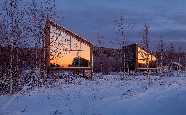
{"points": [[139, 58], [110, 59]]}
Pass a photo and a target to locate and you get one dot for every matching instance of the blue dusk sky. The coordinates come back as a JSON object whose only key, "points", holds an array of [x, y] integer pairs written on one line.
{"points": [[166, 18]]}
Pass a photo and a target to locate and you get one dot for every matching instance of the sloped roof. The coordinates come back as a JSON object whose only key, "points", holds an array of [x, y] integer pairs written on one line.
{"points": [[139, 46], [77, 37]]}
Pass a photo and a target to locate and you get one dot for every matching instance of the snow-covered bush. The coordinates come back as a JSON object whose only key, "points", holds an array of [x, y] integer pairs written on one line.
{"points": [[32, 77]]}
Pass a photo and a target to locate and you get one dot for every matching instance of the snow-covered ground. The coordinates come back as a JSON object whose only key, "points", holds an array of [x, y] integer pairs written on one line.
{"points": [[107, 95]]}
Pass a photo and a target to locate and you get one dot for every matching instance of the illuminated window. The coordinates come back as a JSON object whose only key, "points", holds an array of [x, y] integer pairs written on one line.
{"points": [[145, 57]]}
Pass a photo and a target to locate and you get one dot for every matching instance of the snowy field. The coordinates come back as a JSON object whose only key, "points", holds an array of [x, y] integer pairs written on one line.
{"points": [[105, 95]]}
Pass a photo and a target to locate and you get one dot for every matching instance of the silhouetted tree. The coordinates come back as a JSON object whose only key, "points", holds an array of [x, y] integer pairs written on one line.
{"points": [[122, 27], [22, 25]]}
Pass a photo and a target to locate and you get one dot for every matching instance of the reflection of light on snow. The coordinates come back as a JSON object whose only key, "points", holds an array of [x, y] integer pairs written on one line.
{"points": [[64, 48], [144, 57]]}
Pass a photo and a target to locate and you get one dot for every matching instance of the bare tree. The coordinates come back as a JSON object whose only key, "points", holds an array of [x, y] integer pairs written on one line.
{"points": [[100, 46], [99, 38], [146, 38], [122, 27], [171, 52], [12, 16], [161, 51], [22, 24]]}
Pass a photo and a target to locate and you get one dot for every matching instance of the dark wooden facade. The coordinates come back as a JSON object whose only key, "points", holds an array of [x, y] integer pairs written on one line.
{"points": [[110, 59]]}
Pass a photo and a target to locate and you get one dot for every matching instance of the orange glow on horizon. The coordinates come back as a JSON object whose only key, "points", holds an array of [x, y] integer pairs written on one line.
{"points": [[67, 60]]}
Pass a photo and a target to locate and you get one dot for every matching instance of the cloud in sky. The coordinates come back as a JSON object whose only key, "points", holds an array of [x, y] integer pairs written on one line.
{"points": [[165, 17]]}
